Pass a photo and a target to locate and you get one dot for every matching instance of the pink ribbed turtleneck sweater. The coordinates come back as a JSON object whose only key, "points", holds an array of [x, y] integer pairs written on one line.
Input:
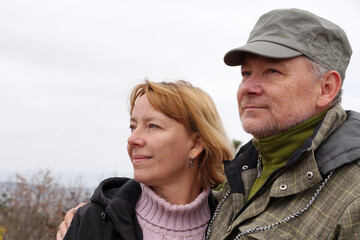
{"points": [[160, 219]]}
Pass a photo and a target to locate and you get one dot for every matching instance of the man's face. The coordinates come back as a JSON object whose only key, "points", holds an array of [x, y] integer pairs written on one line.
{"points": [[275, 95]]}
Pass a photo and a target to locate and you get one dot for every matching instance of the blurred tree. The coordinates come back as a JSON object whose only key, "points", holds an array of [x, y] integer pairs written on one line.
{"points": [[236, 144], [2, 231], [33, 208]]}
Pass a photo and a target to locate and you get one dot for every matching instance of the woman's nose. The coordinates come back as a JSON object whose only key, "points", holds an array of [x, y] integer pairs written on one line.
{"points": [[136, 138]]}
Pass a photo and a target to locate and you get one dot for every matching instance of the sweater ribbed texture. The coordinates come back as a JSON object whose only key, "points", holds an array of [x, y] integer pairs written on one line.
{"points": [[160, 219]]}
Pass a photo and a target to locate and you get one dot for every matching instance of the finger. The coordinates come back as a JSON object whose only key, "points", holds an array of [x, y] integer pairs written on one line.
{"points": [[61, 231], [80, 205], [58, 236], [70, 214]]}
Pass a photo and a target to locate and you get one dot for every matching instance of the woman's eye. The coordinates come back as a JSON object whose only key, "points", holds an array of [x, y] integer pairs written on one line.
{"points": [[132, 128], [153, 125]]}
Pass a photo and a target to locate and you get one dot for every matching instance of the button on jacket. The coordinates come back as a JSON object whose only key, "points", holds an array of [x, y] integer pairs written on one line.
{"points": [[316, 195]]}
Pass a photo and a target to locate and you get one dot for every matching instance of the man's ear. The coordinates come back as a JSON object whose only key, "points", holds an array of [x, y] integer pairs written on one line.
{"points": [[197, 147], [330, 86]]}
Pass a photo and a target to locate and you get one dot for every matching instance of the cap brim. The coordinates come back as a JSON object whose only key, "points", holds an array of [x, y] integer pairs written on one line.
{"points": [[267, 49]]}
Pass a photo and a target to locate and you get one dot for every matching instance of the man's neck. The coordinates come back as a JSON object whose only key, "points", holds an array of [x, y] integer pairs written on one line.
{"points": [[275, 151]]}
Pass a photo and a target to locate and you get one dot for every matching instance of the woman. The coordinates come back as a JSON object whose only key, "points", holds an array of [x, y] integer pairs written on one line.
{"points": [[177, 145]]}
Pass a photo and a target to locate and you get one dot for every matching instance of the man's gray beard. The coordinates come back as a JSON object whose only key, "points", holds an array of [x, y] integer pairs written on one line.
{"points": [[266, 130], [271, 128]]}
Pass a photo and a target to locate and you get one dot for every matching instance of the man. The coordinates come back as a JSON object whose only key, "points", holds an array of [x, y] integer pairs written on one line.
{"points": [[299, 177]]}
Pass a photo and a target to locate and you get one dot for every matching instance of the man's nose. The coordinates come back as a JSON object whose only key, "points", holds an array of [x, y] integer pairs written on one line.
{"points": [[252, 85]]}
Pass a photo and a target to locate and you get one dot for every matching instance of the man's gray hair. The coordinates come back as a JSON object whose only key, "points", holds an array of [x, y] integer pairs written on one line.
{"points": [[318, 72]]}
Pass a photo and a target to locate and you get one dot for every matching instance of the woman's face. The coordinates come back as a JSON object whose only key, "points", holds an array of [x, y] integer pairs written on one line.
{"points": [[159, 147]]}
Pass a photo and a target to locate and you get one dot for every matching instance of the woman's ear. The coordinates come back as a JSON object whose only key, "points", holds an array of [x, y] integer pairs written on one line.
{"points": [[197, 147], [330, 87]]}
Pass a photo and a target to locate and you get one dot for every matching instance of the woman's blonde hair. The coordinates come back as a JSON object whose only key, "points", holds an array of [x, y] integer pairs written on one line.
{"points": [[195, 109]]}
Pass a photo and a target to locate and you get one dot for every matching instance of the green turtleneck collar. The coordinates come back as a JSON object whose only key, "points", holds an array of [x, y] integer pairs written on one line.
{"points": [[275, 151]]}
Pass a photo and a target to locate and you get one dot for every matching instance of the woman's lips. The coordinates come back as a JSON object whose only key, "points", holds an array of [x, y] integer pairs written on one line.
{"points": [[139, 158]]}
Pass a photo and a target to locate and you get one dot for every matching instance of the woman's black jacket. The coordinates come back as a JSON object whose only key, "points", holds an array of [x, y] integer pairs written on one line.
{"points": [[111, 213]]}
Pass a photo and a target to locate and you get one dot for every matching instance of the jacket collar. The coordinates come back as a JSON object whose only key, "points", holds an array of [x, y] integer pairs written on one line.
{"points": [[113, 189], [119, 197], [245, 159], [342, 146]]}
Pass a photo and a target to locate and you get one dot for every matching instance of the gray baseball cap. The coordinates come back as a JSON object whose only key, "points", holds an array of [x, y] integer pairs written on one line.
{"points": [[287, 33]]}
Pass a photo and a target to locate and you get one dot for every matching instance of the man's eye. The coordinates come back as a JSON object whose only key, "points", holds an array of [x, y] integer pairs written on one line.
{"points": [[132, 128], [244, 73], [273, 71]]}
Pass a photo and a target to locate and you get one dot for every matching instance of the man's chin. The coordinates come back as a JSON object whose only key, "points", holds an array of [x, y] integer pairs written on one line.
{"points": [[258, 130]]}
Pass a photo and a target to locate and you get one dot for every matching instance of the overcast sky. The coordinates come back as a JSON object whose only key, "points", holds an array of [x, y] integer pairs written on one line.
{"points": [[66, 68]]}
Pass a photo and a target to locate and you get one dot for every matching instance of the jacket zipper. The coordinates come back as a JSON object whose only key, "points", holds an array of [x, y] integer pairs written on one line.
{"points": [[259, 165], [291, 216]]}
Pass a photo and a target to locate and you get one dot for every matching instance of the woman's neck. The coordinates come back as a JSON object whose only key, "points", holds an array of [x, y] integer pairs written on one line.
{"points": [[178, 194]]}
